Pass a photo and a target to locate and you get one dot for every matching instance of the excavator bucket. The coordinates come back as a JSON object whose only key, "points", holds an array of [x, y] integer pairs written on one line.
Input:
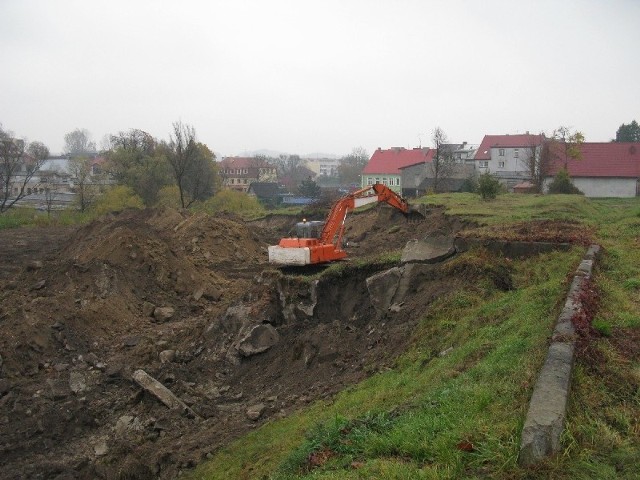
{"points": [[417, 213]]}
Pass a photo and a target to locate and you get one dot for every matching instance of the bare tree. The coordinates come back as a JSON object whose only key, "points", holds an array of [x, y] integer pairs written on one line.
{"points": [[192, 165], [443, 162], [19, 163], [351, 166], [538, 160], [79, 142], [50, 197], [80, 170]]}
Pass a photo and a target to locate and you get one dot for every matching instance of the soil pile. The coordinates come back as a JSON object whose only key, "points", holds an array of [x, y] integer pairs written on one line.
{"points": [[191, 300]]}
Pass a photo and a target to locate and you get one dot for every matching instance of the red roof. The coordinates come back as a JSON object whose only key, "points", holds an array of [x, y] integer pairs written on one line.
{"points": [[614, 159], [505, 141], [390, 161]]}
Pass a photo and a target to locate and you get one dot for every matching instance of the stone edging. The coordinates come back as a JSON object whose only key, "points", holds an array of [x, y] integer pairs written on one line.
{"points": [[547, 408]]}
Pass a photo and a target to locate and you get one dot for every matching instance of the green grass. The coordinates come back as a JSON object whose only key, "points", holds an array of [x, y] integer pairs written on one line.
{"points": [[30, 217], [419, 419]]}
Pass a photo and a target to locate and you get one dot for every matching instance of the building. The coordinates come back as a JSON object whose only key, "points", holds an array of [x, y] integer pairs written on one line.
{"points": [[238, 173], [385, 165], [268, 193], [508, 157], [323, 167], [419, 179], [604, 169]]}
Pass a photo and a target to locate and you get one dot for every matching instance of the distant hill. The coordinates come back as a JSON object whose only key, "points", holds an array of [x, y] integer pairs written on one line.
{"points": [[276, 154]]}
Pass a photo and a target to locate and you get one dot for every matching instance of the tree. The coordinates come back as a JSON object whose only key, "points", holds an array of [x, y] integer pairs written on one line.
{"points": [[19, 162], [628, 133], [192, 165], [570, 143], [136, 161], [488, 186], [443, 161], [292, 171], [79, 142], [309, 188], [351, 166], [86, 190], [538, 160]]}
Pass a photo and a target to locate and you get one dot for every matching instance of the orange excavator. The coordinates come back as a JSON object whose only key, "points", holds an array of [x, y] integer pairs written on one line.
{"points": [[320, 242]]}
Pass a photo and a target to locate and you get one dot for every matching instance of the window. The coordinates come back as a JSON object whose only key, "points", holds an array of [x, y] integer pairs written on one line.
{"points": [[483, 164], [515, 153], [245, 181], [369, 181], [501, 152], [500, 164], [377, 179], [232, 181], [398, 181], [384, 180]]}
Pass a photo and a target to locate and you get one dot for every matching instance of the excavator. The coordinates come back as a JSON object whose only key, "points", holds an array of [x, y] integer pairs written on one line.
{"points": [[321, 242]]}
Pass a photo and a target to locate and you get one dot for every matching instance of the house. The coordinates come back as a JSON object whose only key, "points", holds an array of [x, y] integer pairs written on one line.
{"points": [[604, 169], [419, 178], [238, 173], [508, 157], [267, 193], [384, 165]]}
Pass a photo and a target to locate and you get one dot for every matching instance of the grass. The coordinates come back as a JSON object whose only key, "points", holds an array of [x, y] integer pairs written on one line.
{"points": [[30, 217]]}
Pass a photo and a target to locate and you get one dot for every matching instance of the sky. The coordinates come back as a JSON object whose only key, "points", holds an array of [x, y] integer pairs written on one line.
{"points": [[306, 77]]}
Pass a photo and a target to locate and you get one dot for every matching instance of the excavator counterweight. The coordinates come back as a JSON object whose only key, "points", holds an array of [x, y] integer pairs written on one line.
{"points": [[321, 242]]}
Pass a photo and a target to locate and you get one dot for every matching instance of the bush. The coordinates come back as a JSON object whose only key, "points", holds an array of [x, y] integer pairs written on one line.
{"points": [[469, 185], [562, 184], [117, 198], [234, 202], [488, 186]]}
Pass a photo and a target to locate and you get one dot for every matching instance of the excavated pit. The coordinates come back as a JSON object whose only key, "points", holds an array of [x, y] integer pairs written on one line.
{"points": [[192, 301]]}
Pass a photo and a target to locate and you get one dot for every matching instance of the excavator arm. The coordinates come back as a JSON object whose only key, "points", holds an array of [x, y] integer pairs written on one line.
{"points": [[328, 247]]}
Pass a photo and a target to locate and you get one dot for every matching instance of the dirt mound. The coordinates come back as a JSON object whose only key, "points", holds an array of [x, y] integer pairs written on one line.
{"points": [[191, 300]]}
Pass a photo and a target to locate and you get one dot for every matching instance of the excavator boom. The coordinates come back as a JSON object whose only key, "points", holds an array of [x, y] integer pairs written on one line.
{"points": [[327, 247]]}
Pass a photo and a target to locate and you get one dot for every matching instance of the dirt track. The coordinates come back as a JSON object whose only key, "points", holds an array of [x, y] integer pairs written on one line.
{"points": [[74, 327]]}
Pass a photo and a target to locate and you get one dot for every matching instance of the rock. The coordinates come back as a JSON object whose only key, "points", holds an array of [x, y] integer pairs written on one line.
{"points": [[197, 295], [382, 288], [60, 367], [260, 338], [445, 352], [58, 326], [101, 448], [396, 307], [163, 314], [167, 356], [101, 366], [429, 250], [213, 293], [34, 265], [161, 392], [122, 424], [132, 341], [91, 358], [77, 382], [254, 412], [58, 389], [39, 285], [148, 308]]}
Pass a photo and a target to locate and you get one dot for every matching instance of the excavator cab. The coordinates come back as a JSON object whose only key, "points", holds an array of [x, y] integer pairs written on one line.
{"points": [[311, 229]]}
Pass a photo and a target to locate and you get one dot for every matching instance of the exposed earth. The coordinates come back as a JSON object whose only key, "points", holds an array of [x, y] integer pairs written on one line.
{"points": [[192, 301]]}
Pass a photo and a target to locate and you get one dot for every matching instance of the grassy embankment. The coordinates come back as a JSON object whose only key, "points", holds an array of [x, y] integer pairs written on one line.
{"points": [[459, 415]]}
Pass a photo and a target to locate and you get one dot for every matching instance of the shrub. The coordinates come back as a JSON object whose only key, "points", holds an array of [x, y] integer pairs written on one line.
{"points": [[469, 185], [562, 184], [488, 186], [117, 198], [234, 202]]}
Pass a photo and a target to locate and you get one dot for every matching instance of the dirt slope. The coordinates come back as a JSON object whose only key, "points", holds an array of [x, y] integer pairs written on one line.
{"points": [[177, 295]]}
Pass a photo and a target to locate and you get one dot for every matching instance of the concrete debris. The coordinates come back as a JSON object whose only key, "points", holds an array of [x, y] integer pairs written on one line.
{"points": [[77, 382], [258, 340], [163, 314], [162, 393], [428, 250], [382, 288], [101, 448], [254, 412], [167, 356]]}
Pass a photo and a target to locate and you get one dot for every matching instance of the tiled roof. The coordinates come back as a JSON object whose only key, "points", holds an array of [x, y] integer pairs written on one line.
{"points": [[613, 159], [391, 160], [243, 162], [506, 141]]}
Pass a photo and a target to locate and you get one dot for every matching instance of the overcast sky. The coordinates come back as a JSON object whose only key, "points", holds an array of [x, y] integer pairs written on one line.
{"points": [[318, 76]]}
